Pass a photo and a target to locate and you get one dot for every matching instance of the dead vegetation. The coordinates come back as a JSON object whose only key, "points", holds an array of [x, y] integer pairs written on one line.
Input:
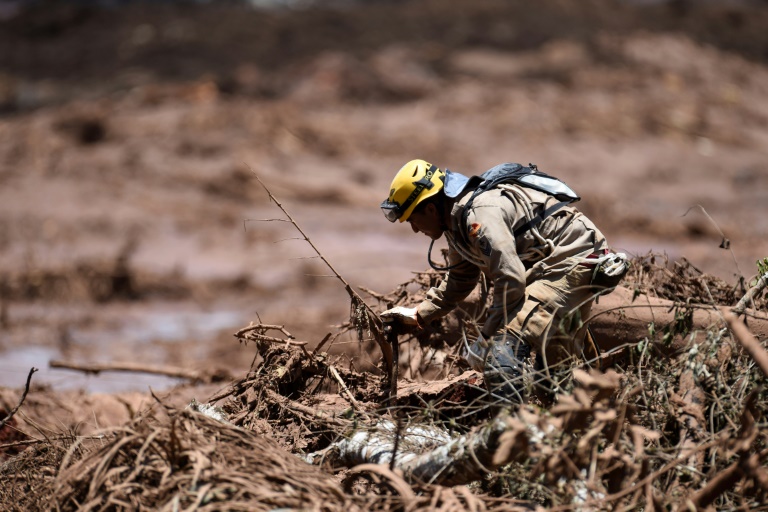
{"points": [[304, 429]]}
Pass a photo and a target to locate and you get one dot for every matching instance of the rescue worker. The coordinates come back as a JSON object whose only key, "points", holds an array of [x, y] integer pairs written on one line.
{"points": [[516, 225]]}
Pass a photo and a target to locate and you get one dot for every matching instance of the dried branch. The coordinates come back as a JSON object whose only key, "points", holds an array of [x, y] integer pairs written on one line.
{"points": [[28, 442], [167, 371], [677, 461], [723, 481], [375, 295], [346, 390], [306, 412], [23, 397], [349, 289], [266, 327], [377, 324], [748, 341], [725, 243], [749, 297], [279, 341]]}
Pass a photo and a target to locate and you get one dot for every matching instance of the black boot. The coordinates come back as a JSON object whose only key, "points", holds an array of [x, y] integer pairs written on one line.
{"points": [[504, 368]]}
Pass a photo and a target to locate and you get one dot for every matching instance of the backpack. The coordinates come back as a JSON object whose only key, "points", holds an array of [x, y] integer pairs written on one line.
{"points": [[530, 177]]}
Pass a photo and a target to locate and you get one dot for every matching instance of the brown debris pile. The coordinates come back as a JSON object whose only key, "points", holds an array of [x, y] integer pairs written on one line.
{"points": [[681, 281], [670, 433], [188, 461]]}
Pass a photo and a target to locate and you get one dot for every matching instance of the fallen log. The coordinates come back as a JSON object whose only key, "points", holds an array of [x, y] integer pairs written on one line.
{"points": [[621, 318]]}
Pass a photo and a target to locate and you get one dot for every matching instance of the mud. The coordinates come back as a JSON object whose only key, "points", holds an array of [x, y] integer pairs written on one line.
{"points": [[132, 226]]}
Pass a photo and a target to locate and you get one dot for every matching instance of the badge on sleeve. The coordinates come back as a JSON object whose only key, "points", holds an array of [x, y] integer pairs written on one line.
{"points": [[474, 229]]}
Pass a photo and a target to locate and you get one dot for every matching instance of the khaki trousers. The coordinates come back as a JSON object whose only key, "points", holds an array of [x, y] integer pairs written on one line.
{"points": [[550, 320]]}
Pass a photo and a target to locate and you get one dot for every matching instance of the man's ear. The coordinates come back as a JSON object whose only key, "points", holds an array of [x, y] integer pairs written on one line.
{"points": [[431, 210]]}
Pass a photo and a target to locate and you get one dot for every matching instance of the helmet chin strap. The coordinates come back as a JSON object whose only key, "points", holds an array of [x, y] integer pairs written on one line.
{"points": [[433, 264]]}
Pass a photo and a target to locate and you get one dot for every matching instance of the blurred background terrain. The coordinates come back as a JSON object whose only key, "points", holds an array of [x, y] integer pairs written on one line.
{"points": [[132, 227]]}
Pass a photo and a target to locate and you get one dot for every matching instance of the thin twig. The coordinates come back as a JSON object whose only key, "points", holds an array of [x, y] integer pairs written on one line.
{"points": [[265, 220], [279, 341], [344, 387], [396, 446], [749, 297], [747, 340], [724, 480], [322, 343], [656, 474], [306, 238], [307, 412], [23, 397], [265, 327], [376, 321], [375, 295], [725, 243]]}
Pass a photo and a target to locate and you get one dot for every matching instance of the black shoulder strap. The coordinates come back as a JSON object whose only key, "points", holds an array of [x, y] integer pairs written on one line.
{"points": [[538, 218], [515, 173]]}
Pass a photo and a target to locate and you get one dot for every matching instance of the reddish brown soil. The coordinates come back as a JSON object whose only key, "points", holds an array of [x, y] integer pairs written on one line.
{"points": [[129, 215]]}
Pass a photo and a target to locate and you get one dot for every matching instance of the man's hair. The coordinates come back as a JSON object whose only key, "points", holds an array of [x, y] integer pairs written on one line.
{"points": [[438, 200]]}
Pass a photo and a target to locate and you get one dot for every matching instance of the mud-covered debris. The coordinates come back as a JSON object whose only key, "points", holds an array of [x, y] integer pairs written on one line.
{"points": [[653, 431]]}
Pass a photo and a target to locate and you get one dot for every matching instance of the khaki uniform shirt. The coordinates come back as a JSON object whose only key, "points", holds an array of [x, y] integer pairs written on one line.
{"points": [[554, 247]]}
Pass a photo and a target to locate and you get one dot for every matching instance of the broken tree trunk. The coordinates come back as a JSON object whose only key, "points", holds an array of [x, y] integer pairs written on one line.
{"points": [[428, 454], [619, 319]]}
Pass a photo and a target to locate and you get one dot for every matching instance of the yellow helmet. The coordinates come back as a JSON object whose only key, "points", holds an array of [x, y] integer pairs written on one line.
{"points": [[414, 182]]}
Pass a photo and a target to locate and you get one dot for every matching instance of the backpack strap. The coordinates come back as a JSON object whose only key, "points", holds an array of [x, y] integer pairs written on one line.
{"points": [[529, 177], [538, 218]]}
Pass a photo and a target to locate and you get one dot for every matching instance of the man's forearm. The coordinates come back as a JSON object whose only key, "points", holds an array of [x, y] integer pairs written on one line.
{"points": [[442, 299]]}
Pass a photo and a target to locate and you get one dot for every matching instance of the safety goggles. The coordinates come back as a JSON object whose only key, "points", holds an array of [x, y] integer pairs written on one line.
{"points": [[393, 211]]}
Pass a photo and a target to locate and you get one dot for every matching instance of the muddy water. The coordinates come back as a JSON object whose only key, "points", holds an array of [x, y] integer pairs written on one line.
{"points": [[301, 294], [153, 335]]}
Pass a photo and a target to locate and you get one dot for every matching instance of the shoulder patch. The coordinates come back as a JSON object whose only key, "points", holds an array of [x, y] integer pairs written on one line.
{"points": [[474, 229]]}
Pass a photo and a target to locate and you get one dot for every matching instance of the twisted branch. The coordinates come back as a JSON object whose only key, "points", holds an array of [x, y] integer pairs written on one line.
{"points": [[377, 325], [23, 397]]}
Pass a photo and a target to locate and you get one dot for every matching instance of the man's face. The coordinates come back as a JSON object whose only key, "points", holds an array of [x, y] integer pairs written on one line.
{"points": [[427, 221]]}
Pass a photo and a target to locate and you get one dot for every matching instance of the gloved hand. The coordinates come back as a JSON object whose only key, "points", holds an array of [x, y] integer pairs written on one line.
{"points": [[403, 315], [476, 353]]}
